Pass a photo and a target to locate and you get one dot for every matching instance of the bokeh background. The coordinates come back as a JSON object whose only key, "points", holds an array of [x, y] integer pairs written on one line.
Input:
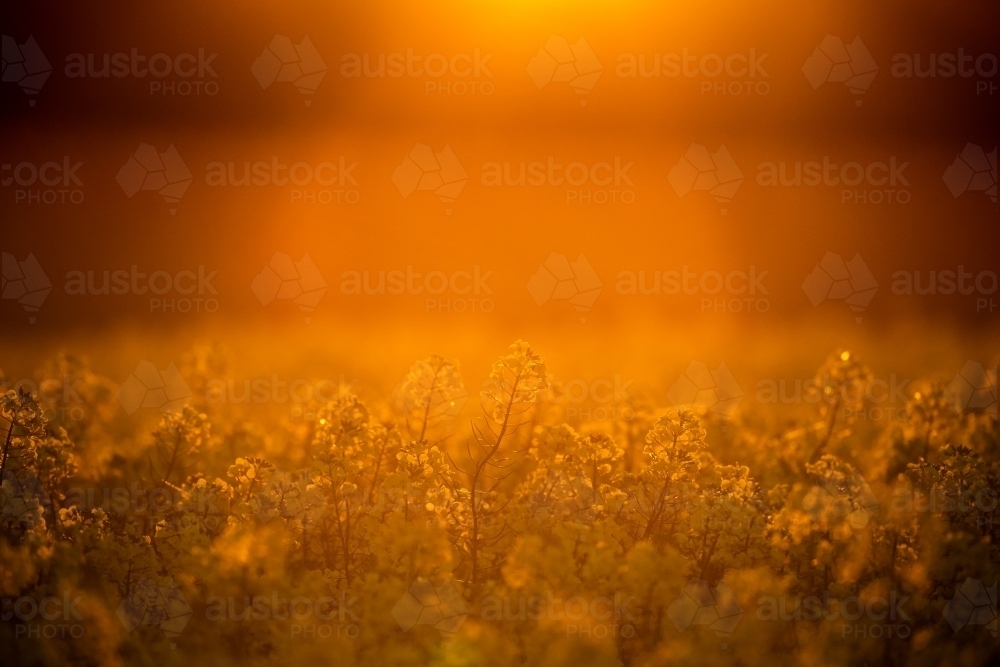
{"points": [[502, 116]]}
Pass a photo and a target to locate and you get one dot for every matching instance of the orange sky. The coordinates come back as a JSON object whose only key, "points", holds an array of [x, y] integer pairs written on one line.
{"points": [[646, 124]]}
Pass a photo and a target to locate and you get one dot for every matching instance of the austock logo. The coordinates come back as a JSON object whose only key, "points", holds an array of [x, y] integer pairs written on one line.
{"points": [[299, 64], [974, 170], [184, 74], [836, 280], [573, 176], [275, 390], [699, 387], [38, 618], [597, 617], [558, 278], [424, 170], [700, 604], [56, 396], [873, 617], [699, 170], [886, 395], [558, 61], [335, 179], [949, 282], [180, 292], [148, 169], [446, 292], [423, 603], [163, 607], [335, 615], [974, 387], [285, 279], [742, 71], [748, 286], [147, 387], [24, 499], [848, 175], [468, 69], [973, 604], [149, 505], [848, 497], [835, 62], [599, 399], [25, 282], [25, 65], [435, 394], [947, 66], [50, 175]]}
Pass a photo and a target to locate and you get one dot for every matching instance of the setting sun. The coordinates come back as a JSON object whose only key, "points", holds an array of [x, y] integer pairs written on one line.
{"points": [[499, 333]]}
